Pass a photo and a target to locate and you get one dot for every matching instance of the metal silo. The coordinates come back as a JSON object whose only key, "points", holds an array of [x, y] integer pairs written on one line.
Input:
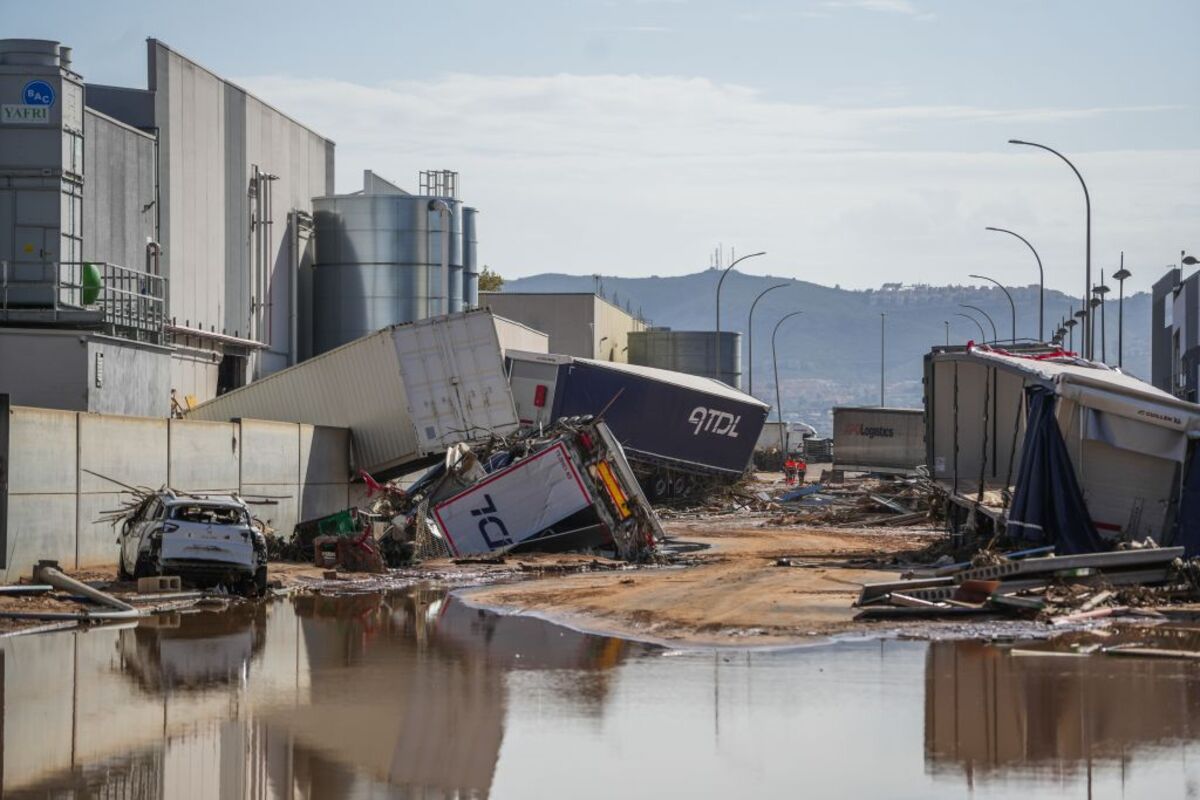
{"points": [[691, 352], [379, 260]]}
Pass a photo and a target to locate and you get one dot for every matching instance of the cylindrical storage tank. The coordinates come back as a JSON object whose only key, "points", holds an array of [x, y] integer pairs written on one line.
{"points": [[470, 262], [33, 53], [691, 352], [378, 263]]}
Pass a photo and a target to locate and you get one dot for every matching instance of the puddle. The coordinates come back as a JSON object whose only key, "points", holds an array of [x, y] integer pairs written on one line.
{"points": [[413, 693]]}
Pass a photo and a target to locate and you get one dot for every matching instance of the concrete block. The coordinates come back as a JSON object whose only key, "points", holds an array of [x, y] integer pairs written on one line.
{"points": [[318, 500], [280, 509], [270, 453], [157, 584], [204, 456], [324, 454], [96, 541], [132, 450], [40, 526], [42, 451]]}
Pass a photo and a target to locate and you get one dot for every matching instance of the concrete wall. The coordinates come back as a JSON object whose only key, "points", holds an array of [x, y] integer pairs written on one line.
{"points": [[52, 368], [118, 191], [56, 459], [582, 325], [44, 368]]}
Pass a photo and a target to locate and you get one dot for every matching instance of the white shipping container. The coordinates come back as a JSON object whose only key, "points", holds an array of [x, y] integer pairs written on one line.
{"points": [[404, 392]]}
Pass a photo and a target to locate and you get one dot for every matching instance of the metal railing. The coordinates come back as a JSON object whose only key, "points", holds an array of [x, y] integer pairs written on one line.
{"points": [[124, 302]]}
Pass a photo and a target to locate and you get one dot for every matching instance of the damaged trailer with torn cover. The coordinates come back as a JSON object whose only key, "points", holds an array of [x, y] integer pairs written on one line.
{"points": [[406, 392], [682, 433], [1055, 449]]}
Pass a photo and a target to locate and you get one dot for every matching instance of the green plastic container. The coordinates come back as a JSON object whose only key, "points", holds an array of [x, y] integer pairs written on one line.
{"points": [[92, 283]]}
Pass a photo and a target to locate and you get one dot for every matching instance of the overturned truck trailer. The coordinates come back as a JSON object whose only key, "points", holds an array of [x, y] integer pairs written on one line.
{"points": [[1055, 449], [681, 433], [571, 489], [406, 392]]}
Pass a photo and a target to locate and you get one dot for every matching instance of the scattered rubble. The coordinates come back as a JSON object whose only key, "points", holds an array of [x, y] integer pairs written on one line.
{"points": [[1060, 590]]}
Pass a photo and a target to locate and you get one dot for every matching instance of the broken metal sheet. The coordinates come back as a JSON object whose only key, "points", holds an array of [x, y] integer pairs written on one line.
{"points": [[1116, 560]]}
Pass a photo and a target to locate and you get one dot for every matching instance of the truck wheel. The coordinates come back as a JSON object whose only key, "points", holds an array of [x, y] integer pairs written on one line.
{"points": [[260, 581], [122, 573], [661, 487]]}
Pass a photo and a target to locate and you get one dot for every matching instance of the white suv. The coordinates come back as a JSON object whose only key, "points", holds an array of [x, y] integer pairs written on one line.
{"points": [[204, 539]]}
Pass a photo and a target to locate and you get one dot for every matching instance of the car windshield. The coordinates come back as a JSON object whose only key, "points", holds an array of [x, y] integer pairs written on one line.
{"points": [[209, 514]]}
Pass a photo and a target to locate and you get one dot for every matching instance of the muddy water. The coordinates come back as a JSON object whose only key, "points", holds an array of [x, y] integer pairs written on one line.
{"points": [[412, 694]]}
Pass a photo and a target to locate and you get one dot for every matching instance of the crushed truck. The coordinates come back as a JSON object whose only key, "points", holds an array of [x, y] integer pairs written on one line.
{"points": [[566, 488], [682, 434]]}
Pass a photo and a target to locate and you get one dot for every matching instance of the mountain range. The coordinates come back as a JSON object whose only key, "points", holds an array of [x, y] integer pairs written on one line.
{"points": [[830, 354]]}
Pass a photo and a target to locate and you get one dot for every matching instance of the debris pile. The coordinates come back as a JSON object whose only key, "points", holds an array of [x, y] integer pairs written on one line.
{"points": [[569, 488], [866, 502], [1037, 584]]}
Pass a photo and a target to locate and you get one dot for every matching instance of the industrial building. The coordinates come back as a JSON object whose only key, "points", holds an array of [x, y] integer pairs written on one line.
{"points": [[1175, 334], [161, 246], [579, 324], [707, 354]]}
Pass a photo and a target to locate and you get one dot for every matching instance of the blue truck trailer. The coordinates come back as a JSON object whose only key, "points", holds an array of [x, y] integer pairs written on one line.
{"points": [[681, 433]]}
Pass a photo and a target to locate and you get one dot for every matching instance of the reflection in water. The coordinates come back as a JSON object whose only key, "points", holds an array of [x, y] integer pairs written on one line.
{"points": [[413, 694], [988, 713]]}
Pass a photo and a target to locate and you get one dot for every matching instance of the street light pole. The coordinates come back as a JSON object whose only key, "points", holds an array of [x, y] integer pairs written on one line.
{"points": [[1101, 290], [750, 330], [995, 336], [734, 263], [882, 349], [1087, 199], [1011, 304], [978, 324], [1070, 326], [946, 322], [1041, 280], [1121, 275], [778, 400]]}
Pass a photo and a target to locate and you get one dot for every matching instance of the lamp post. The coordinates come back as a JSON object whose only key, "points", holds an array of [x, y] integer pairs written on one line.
{"points": [[995, 336], [1100, 290], [978, 324], [1070, 326], [750, 330], [882, 349], [775, 364], [946, 322], [1121, 275], [1041, 278], [734, 263], [1087, 200], [1011, 304]]}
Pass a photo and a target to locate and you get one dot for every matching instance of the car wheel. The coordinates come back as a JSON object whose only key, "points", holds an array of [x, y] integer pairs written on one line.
{"points": [[144, 567], [122, 573]]}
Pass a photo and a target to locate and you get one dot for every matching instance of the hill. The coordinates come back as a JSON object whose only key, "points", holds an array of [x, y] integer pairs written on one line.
{"points": [[830, 355]]}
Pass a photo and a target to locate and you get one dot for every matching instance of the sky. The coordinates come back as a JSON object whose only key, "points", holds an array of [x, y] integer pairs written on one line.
{"points": [[857, 142]]}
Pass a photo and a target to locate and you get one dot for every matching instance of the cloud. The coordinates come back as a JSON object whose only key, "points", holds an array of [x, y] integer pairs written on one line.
{"points": [[887, 6], [631, 174]]}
